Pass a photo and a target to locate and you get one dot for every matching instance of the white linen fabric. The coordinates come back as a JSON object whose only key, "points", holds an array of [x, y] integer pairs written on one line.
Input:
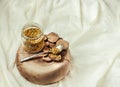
{"points": [[92, 28]]}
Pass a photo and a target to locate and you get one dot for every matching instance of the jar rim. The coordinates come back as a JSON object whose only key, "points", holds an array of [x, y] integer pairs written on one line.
{"points": [[27, 26]]}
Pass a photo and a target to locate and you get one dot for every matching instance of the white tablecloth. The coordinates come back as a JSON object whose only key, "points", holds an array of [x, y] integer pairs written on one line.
{"points": [[92, 28]]}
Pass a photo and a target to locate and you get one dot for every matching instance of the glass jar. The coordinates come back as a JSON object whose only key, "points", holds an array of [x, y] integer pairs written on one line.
{"points": [[32, 38]]}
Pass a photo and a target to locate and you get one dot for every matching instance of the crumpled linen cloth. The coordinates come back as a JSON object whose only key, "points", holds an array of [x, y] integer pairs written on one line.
{"points": [[92, 28]]}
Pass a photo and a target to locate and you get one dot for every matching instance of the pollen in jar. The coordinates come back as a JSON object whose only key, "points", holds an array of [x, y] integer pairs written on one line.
{"points": [[33, 39]]}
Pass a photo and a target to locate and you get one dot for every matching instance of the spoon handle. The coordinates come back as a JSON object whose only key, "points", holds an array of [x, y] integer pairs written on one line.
{"points": [[33, 56]]}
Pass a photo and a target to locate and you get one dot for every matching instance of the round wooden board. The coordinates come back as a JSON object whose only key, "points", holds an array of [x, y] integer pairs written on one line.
{"points": [[41, 72]]}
